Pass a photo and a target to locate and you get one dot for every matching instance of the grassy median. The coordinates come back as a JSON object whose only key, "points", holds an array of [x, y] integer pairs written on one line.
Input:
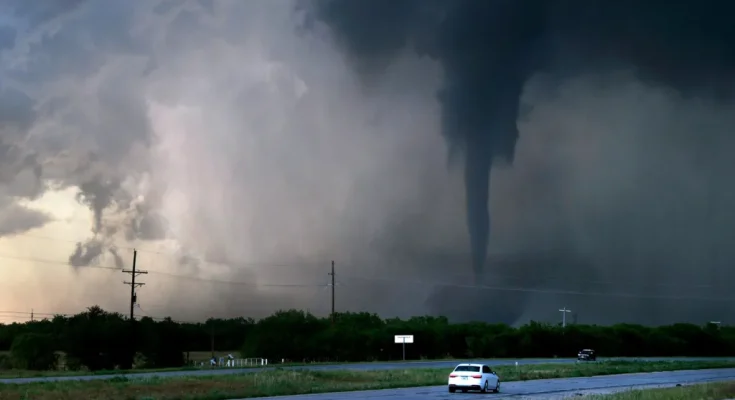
{"points": [[199, 356], [709, 391], [289, 382], [22, 373], [196, 357]]}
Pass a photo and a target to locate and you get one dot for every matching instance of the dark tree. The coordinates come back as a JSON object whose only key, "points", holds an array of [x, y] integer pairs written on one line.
{"points": [[34, 351], [97, 340]]}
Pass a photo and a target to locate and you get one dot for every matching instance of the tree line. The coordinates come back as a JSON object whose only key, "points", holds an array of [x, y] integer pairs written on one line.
{"points": [[99, 340]]}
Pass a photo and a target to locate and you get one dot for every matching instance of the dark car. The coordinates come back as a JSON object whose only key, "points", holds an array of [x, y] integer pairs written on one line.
{"points": [[586, 355]]}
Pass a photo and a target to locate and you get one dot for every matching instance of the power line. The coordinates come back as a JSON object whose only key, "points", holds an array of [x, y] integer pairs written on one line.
{"points": [[413, 281], [52, 262], [439, 284], [19, 314], [162, 273], [50, 315], [544, 291], [397, 280], [409, 281], [236, 283], [538, 278], [526, 278]]}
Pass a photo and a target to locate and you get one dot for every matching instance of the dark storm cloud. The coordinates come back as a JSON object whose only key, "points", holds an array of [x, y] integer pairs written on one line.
{"points": [[98, 195], [20, 169], [254, 151], [148, 226], [83, 139], [119, 263], [7, 37], [16, 219], [86, 253], [490, 49], [16, 112], [484, 48], [37, 13]]}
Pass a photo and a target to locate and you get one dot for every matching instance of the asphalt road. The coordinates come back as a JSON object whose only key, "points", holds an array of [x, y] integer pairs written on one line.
{"points": [[547, 389], [331, 367]]}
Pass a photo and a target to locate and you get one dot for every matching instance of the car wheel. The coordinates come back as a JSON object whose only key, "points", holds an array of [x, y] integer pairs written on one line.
{"points": [[484, 388], [497, 387], [452, 390]]}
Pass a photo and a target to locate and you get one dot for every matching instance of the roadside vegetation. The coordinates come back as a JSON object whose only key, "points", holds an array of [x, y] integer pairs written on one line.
{"points": [[290, 382], [709, 391], [96, 340]]}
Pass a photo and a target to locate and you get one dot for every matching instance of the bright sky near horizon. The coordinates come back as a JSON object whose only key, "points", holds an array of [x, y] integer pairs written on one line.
{"points": [[36, 262], [35, 270]]}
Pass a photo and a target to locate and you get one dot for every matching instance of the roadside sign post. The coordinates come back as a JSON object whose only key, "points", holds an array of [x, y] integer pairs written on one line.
{"points": [[403, 339]]}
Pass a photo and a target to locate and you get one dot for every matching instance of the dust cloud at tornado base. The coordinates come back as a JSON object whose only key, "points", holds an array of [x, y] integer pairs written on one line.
{"points": [[248, 151]]}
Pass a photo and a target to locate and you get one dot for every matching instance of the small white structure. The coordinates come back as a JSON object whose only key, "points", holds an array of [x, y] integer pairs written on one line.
{"points": [[254, 362], [232, 362], [403, 339]]}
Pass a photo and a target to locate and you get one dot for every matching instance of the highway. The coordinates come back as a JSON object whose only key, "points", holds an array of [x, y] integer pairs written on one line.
{"points": [[332, 367], [547, 389]]}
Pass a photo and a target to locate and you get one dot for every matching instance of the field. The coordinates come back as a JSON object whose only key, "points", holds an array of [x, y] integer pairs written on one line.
{"points": [[287, 382], [709, 391], [195, 357]]}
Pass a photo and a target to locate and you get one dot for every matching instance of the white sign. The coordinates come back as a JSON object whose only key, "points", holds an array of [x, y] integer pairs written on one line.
{"points": [[404, 338]]}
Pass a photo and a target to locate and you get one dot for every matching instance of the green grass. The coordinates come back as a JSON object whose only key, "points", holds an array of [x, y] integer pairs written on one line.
{"points": [[195, 356], [22, 373], [709, 391], [290, 382]]}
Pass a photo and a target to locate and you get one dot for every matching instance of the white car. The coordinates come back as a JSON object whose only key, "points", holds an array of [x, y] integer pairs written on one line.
{"points": [[473, 377]]}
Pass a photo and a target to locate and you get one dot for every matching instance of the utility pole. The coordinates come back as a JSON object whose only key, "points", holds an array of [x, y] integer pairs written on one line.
{"points": [[333, 283], [31, 315], [133, 298], [133, 284], [564, 312]]}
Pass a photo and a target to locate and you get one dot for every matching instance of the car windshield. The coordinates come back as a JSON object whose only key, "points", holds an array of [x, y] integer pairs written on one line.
{"points": [[586, 352], [467, 368]]}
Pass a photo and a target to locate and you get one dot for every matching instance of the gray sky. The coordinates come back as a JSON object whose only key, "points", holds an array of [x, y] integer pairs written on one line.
{"points": [[228, 145]]}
